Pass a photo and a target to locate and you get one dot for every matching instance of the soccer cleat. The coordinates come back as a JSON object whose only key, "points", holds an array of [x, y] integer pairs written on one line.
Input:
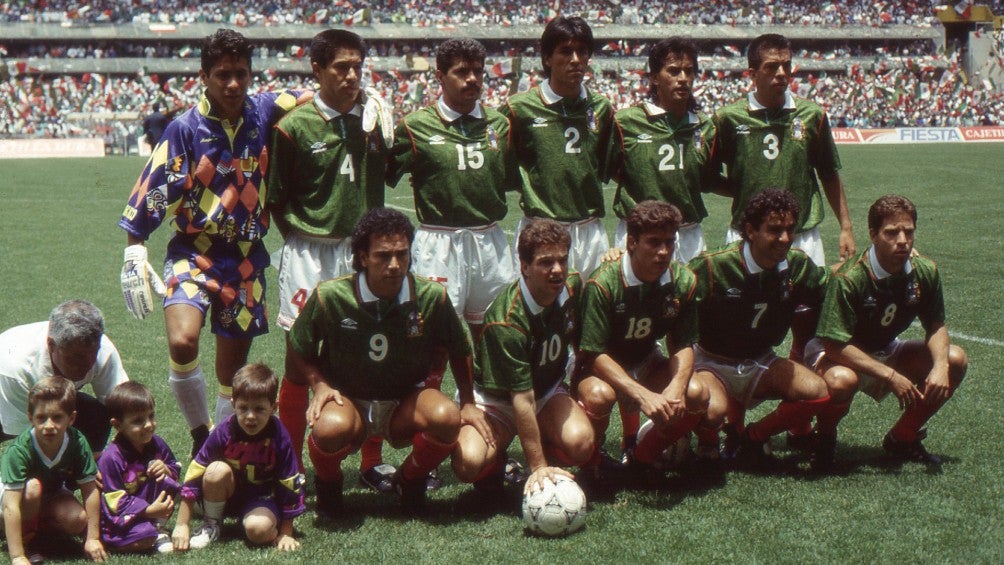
{"points": [[752, 452], [432, 480], [799, 442], [36, 558], [328, 503], [379, 478], [910, 450], [730, 447], [824, 452], [199, 437], [642, 474], [163, 543], [412, 493], [207, 534]]}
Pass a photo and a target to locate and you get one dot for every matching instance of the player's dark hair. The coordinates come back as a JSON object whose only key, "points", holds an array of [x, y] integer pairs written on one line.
{"points": [[255, 380], [223, 43], [679, 46], [563, 29], [325, 44], [53, 389], [652, 215], [765, 203], [888, 206], [127, 397], [452, 51], [378, 221], [765, 42], [76, 322], [539, 232]]}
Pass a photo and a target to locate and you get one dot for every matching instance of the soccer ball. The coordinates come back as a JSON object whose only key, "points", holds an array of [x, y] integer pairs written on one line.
{"points": [[558, 509], [673, 456]]}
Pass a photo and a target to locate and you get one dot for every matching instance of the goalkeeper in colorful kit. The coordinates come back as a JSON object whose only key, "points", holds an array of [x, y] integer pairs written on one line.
{"points": [[207, 177]]}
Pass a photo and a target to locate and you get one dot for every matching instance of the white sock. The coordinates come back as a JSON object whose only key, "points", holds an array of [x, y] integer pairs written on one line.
{"points": [[189, 390], [213, 510], [223, 408]]}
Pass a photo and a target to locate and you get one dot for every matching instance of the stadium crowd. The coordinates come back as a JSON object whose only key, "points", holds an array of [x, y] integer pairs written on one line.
{"points": [[483, 12]]}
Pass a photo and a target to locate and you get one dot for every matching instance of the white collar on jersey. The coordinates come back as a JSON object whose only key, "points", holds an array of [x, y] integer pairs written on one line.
{"points": [[752, 265], [532, 304], [656, 110], [552, 97], [329, 113], [50, 463], [789, 102], [881, 273], [367, 295], [452, 115], [632, 280]]}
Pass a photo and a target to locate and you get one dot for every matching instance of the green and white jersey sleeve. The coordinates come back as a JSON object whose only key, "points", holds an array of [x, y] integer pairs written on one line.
{"points": [[22, 461], [869, 307], [653, 158], [745, 311], [783, 148], [561, 145], [374, 349], [624, 317], [324, 171], [460, 167], [524, 345]]}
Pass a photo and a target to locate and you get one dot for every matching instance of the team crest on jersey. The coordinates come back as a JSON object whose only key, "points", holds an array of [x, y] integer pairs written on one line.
{"points": [[912, 292], [644, 138], [437, 140], [671, 307], [416, 325], [786, 285], [493, 137], [569, 321], [698, 140], [373, 143], [797, 129], [591, 119]]}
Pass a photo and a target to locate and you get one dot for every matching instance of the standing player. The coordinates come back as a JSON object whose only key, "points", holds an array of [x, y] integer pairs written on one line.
{"points": [[772, 139], [561, 131], [660, 148], [206, 176], [629, 305], [325, 172], [461, 163], [523, 359], [747, 293], [366, 343], [872, 299]]}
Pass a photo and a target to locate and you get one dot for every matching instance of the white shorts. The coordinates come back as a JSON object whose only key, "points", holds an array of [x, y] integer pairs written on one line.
{"points": [[376, 415], [473, 263], [589, 244], [304, 262], [500, 408], [740, 377], [689, 241], [867, 383], [808, 241]]}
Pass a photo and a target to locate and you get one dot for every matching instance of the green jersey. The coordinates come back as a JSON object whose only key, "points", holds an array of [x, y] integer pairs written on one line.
{"points": [[652, 158], [525, 345], [561, 145], [782, 148], [374, 349], [23, 460], [869, 307], [625, 317], [460, 165], [745, 310], [324, 171]]}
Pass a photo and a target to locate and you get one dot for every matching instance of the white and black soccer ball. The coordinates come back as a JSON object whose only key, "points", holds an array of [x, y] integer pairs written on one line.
{"points": [[673, 456], [558, 509]]}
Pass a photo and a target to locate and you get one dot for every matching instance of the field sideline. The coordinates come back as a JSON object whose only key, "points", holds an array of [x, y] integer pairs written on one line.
{"points": [[59, 240]]}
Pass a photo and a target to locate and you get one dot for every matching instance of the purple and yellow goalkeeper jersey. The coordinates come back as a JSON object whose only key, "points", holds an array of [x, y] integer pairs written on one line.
{"points": [[207, 174], [127, 487]]}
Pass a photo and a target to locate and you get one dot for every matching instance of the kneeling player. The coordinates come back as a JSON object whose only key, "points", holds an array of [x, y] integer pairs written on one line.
{"points": [[523, 358], [366, 342], [872, 299], [628, 306]]}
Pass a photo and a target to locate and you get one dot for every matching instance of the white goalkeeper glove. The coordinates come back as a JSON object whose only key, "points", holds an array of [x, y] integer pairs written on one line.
{"points": [[139, 282], [376, 111]]}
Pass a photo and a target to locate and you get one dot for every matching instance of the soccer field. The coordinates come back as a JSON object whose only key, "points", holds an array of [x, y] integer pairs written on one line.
{"points": [[59, 240]]}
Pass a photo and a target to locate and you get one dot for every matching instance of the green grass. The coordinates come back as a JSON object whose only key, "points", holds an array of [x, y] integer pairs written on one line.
{"points": [[59, 240]]}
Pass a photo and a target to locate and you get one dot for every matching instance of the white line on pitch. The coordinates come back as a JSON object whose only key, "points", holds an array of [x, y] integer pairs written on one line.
{"points": [[967, 337], [401, 208]]}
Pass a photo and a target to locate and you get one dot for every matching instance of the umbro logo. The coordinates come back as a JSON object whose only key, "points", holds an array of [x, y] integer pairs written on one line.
{"points": [[540, 122], [734, 293], [210, 139], [437, 140], [349, 324], [742, 129], [644, 138], [318, 147]]}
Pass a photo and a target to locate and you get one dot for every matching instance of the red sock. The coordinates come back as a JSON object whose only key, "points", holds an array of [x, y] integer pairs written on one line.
{"points": [[706, 436], [555, 453], [787, 412], [327, 465], [293, 401], [371, 453], [831, 414], [657, 440], [630, 421], [912, 420], [493, 468], [426, 455]]}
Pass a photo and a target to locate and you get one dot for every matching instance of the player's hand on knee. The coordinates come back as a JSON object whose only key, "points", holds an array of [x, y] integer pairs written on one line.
{"points": [[907, 392], [937, 388], [536, 479], [378, 113], [139, 282], [323, 394], [471, 415], [657, 407]]}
